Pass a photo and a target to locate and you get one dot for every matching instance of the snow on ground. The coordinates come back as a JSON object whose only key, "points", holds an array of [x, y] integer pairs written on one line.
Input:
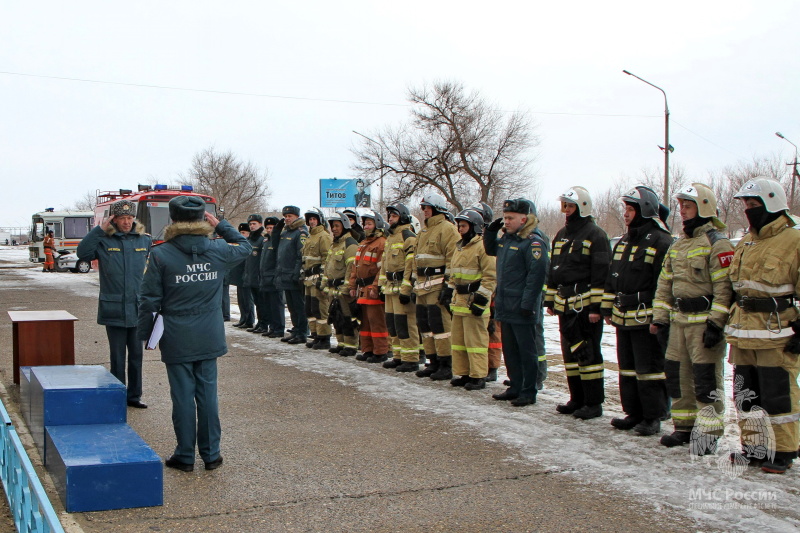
{"points": [[667, 479]]}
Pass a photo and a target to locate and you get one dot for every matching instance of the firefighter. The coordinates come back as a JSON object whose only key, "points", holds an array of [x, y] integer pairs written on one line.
{"points": [[288, 270], [472, 279], [522, 264], [763, 329], [315, 254], [49, 245], [364, 285], [691, 308], [274, 302], [251, 275], [575, 285], [628, 306], [396, 280], [356, 231], [336, 285], [435, 246]]}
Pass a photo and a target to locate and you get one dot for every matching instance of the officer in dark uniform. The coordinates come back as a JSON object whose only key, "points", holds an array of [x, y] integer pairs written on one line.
{"points": [[522, 264], [288, 268], [628, 305], [120, 246], [252, 266], [274, 302], [183, 282], [244, 297]]}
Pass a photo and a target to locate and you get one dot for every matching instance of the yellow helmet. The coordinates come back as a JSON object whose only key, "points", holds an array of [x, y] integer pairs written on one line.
{"points": [[703, 196]]}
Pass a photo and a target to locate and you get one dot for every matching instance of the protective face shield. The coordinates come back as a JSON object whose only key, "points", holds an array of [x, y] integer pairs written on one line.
{"points": [[769, 191], [486, 212], [645, 198], [344, 219], [353, 214], [579, 196], [415, 224], [472, 217], [402, 211], [703, 196], [435, 201]]}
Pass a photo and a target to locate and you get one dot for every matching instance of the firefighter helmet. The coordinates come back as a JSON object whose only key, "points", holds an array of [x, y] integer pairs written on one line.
{"points": [[434, 201], [317, 213], [415, 224], [703, 196], [769, 191], [486, 212], [472, 217], [402, 211], [579, 196], [342, 218], [380, 223], [645, 198], [354, 214]]}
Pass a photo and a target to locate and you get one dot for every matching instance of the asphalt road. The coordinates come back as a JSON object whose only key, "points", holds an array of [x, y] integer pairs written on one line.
{"points": [[306, 452]]}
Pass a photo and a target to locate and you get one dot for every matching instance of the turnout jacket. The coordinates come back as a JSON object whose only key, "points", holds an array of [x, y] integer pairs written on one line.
{"points": [[435, 246], [121, 257], [315, 253], [397, 268], [522, 264], [766, 264], [578, 267], [366, 267], [472, 277], [633, 275], [183, 282], [338, 267], [252, 264], [289, 260], [695, 267]]}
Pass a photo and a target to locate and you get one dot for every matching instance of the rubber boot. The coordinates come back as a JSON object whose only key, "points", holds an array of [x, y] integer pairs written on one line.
{"points": [[363, 356], [587, 412], [323, 342], [336, 349], [629, 422], [311, 340], [407, 367], [677, 438], [392, 363], [376, 358], [460, 381], [648, 427], [347, 352], [445, 369], [778, 465], [475, 384], [431, 368], [492, 375]]}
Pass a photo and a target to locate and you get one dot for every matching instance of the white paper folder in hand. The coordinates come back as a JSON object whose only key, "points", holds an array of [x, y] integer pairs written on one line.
{"points": [[155, 334]]}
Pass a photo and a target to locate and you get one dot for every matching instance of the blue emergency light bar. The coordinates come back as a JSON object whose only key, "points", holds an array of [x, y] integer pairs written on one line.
{"points": [[187, 188], [159, 187]]}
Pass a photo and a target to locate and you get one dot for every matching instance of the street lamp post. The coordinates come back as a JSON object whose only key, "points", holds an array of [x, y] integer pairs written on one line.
{"points": [[795, 175], [666, 136], [380, 162]]}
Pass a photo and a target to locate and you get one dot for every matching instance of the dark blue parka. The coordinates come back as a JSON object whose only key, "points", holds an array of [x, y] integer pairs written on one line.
{"points": [[289, 260], [121, 257], [269, 258], [183, 281], [522, 265], [252, 265]]}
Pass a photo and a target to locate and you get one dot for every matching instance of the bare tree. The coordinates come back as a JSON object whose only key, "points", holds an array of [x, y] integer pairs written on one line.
{"points": [[239, 187], [87, 202], [456, 144], [654, 178], [607, 208], [551, 219]]}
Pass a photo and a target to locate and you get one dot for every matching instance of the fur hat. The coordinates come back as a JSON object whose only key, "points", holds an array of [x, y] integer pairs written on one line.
{"points": [[186, 209], [123, 208], [290, 210], [255, 216], [270, 221], [244, 226]]}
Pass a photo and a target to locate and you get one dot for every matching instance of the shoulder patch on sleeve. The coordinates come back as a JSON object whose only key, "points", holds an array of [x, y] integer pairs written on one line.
{"points": [[725, 259]]}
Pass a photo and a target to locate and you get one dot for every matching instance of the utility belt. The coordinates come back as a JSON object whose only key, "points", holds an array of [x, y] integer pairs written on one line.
{"points": [[395, 276], [764, 305], [316, 269], [335, 282], [468, 288], [694, 305], [568, 291], [426, 272], [633, 300], [363, 282]]}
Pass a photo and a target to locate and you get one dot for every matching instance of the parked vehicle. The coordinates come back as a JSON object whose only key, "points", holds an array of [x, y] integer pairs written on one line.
{"points": [[68, 227]]}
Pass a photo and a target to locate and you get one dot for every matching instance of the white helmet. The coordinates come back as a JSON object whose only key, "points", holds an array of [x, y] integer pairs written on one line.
{"points": [[769, 191], [703, 196], [579, 196], [415, 224]]}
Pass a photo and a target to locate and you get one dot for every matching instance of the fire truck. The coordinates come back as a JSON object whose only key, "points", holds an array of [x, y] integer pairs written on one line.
{"points": [[152, 205], [68, 228]]}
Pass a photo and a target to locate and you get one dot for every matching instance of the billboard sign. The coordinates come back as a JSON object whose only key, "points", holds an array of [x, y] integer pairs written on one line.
{"points": [[337, 193]]}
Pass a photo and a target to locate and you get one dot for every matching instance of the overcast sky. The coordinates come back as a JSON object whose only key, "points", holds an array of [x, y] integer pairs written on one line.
{"points": [[730, 70]]}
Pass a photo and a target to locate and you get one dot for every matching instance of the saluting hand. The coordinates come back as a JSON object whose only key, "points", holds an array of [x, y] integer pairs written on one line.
{"points": [[211, 219], [106, 223]]}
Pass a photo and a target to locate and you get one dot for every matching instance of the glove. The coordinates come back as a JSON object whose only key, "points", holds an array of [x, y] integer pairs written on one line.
{"points": [[495, 225], [662, 336], [382, 297], [404, 299], [446, 296], [525, 313], [712, 335], [491, 328], [318, 284], [476, 309], [793, 346]]}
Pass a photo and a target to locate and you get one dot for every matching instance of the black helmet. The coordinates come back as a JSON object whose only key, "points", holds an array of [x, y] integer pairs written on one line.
{"points": [[343, 218], [317, 213], [486, 212], [434, 201], [402, 211], [353, 213], [645, 198], [472, 217]]}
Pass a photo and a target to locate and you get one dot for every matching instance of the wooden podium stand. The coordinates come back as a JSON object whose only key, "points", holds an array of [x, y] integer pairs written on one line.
{"points": [[42, 338]]}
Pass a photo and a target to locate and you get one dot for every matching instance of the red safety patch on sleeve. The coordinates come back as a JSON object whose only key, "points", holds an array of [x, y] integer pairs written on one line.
{"points": [[725, 259]]}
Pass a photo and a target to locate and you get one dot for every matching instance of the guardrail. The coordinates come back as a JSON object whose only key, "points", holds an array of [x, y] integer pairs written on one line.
{"points": [[30, 506]]}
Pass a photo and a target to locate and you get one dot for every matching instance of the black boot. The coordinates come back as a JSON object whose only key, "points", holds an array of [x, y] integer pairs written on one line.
{"points": [[779, 464], [460, 381], [629, 422], [648, 427], [407, 367], [290, 335], [336, 349], [422, 359], [297, 339], [347, 352], [323, 342], [568, 408], [492, 375], [431, 368], [311, 340], [392, 363], [506, 395], [587, 412], [475, 384], [445, 369], [375, 358], [678, 438], [363, 356]]}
